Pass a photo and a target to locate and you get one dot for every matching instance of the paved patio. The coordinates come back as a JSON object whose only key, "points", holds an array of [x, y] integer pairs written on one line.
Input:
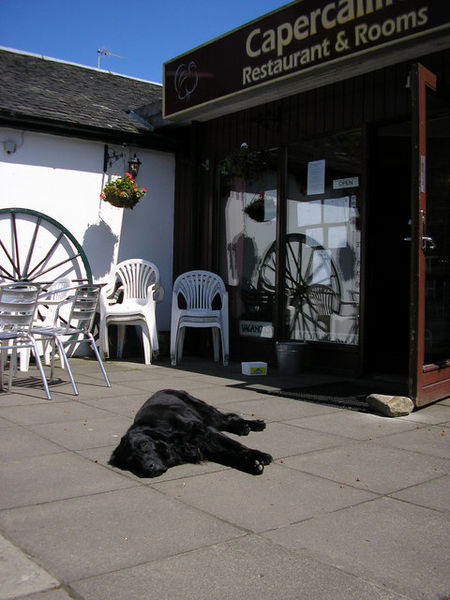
{"points": [[355, 505]]}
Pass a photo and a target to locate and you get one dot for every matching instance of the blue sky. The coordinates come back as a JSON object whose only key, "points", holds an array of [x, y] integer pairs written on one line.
{"points": [[144, 32]]}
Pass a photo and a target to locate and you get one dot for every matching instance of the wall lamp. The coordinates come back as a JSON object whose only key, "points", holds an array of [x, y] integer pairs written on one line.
{"points": [[133, 166], [111, 155]]}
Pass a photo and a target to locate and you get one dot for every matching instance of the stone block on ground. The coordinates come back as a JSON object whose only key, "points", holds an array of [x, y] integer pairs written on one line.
{"points": [[390, 406]]}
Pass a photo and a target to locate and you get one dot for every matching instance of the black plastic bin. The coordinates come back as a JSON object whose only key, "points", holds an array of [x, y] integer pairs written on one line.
{"points": [[290, 357]]}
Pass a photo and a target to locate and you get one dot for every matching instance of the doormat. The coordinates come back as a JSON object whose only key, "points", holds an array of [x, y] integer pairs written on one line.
{"points": [[342, 393]]}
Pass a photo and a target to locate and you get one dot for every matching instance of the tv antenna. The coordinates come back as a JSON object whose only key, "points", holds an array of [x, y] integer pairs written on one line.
{"points": [[104, 52]]}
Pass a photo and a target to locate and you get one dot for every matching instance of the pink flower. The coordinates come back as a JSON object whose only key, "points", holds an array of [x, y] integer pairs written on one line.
{"points": [[144, 189], [129, 176], [102, 195]]}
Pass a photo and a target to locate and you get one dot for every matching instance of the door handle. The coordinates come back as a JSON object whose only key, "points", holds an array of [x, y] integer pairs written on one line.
{"points": [[427, 242]]}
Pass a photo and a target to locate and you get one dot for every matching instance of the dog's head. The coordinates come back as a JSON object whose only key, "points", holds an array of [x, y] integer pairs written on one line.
{"points": [[140, 453]]}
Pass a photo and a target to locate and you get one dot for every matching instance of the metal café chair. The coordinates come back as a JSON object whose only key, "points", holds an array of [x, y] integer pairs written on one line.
{"points": [[50, 296], [76, 330], [18, 303]]}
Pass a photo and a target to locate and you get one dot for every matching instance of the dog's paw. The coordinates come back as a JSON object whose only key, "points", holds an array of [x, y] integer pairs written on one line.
{"points": [[257, 462], [262, 457], [258, 467], [257, 425], [265, 458], [242, 428]]}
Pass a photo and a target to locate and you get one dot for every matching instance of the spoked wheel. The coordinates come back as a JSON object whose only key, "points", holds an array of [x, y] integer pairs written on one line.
{"points": [[305, 266], [36, 248]]}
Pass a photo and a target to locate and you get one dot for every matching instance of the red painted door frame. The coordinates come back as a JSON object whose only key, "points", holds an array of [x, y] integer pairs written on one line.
{"points": [[428, 382]]}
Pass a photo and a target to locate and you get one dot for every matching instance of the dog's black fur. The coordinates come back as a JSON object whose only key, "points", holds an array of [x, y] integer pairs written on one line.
{"points": [[173, 428]]}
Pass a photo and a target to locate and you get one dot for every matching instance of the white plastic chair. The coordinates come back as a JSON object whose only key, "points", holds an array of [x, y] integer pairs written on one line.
{"points": [[325, 302], [83, 307], [18, 304], [139, 281], [198, 291]]}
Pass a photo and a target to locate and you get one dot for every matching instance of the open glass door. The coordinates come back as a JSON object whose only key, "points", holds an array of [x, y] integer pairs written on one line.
{"points": [[430, 297]]}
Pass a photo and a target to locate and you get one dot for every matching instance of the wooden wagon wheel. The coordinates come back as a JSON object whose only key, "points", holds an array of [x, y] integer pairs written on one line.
{"points": [[36, 248], [305, 265]]}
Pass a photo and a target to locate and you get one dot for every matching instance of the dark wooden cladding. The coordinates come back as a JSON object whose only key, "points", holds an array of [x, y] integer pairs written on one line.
{"points": [[374, 97], [344, 105], [183, 225]]}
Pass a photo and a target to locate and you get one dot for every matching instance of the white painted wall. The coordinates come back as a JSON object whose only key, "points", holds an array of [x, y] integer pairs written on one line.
{"points": [[63, 178]]}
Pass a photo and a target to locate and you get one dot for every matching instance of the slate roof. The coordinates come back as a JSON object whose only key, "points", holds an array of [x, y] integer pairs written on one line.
{"points": [[36, 89]]}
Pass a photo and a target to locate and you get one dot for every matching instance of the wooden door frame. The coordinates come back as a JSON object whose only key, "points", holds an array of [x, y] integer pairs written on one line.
{"points": [[427, 383]]}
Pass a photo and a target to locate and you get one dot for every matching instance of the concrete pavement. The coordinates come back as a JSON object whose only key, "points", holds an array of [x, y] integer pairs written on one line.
{"points": [[355, 505]]}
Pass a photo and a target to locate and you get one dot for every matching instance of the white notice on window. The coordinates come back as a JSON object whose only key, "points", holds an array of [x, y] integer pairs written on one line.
{"points": [[316, 177]]}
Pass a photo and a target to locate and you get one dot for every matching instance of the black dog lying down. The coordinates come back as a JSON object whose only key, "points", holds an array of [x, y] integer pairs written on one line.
{"points": [[173, 428]]}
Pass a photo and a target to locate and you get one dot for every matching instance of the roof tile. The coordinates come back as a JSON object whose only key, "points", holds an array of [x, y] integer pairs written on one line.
{"points": [[39, 87]]}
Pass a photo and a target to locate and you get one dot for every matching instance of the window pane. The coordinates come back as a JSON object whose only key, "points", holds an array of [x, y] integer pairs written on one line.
{"points": [[322, 252], [437, 248], [248, 232]]}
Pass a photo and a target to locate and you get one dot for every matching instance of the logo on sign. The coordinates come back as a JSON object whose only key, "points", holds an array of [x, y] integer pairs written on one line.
{"points": [[186, 80]]}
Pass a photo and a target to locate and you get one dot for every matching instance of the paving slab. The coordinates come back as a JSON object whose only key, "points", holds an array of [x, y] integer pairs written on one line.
{"points": [[274, 408], [282, 440], [355, 505], [50, 477], [17, 442], [354, 425], [433, 440], [372, 466], [433, 494], [138, 384], [15, 398], [249, 568], [4, 424], [24, 395], [433, 414], [19, 575], [126, 404], [91, 433], [224, 395], [278, 497], [82, 537], [54, 594], [399, 546], [51, 412]]}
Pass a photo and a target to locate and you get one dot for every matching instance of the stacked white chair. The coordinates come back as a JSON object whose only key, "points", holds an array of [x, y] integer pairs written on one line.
{"points": [[138, 281], [193, 305]]}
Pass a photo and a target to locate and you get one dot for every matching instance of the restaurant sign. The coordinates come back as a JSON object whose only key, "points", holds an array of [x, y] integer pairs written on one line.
{"points": [[291, 41]]}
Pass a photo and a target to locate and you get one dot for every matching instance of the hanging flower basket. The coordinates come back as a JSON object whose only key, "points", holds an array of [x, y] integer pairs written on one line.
{"points": [[257, 209], [123, 192], [244, 164]]}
